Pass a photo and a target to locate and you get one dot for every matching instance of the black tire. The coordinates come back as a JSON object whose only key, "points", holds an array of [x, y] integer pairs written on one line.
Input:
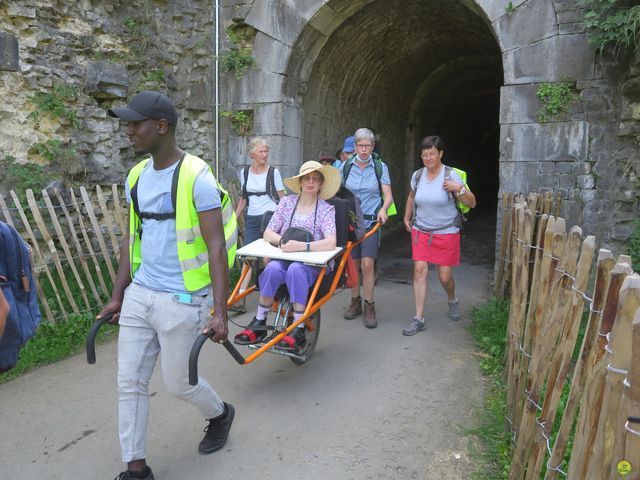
{"points": [[312, 338]]}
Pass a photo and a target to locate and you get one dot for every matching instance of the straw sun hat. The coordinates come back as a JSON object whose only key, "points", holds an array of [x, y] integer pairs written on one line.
{"points": [[331, 176]]}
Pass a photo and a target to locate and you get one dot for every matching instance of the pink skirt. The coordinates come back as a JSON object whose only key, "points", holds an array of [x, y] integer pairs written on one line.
{"points": [[439, 249]]}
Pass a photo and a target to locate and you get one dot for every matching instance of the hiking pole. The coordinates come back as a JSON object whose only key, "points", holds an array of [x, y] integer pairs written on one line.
{"points": [[91, 337]]}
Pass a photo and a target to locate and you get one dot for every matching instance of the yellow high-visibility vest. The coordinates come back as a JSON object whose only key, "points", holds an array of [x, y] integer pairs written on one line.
{"points": [[192, 249]]}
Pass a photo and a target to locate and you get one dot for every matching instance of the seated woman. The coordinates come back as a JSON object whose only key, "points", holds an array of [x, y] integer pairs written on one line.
{"points": [[306, 209]]}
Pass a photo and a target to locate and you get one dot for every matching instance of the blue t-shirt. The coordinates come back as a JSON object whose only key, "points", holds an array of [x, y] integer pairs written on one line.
{"points": [[364, 184], [160, 269]]}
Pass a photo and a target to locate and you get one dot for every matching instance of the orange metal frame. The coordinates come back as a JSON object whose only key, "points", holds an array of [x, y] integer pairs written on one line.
{"points": [[312, 305]]}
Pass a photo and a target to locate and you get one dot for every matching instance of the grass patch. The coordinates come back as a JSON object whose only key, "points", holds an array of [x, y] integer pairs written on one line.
{"points": [[492, 449], [55, 341]]}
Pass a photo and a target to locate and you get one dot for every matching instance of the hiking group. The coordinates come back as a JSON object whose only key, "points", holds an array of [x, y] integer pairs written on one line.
{"points": [[173, 281]]}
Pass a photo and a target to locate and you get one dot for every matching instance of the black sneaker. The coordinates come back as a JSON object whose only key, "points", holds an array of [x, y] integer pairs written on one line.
{"points": [[217, 431], [126, 475]]}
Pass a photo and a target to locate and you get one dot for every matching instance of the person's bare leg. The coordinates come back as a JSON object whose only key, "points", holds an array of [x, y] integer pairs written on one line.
{"points": [[420, 272]]}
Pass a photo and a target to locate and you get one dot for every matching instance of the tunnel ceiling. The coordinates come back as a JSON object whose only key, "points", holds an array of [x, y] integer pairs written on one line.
{"points": [[388, 62]]}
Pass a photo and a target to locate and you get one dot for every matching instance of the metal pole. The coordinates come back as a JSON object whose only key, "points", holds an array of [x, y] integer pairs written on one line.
{"points": [[217, 90]]}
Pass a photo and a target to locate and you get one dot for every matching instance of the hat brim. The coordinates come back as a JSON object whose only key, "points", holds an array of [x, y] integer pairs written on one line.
{"points": [[127, 114], [330, 186]]}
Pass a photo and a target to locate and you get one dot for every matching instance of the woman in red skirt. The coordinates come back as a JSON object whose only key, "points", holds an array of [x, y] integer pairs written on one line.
{"points": [[432, 218]]}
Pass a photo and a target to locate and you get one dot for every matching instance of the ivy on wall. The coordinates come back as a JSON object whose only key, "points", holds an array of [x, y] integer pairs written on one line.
{"points": [[556, 98], [612, 22]]}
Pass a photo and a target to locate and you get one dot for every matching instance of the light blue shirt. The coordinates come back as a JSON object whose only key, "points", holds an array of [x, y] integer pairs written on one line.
{"points": [[364, 184], [160, 269]]}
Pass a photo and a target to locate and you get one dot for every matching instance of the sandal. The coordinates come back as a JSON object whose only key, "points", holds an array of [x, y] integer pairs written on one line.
{"points": [[249, 336], [294, 341]]}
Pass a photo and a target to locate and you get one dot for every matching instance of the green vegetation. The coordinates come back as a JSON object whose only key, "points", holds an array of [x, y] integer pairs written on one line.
{"points": [[55, 104], [53, 150], [241, 121], [55, 341], [510, 8], [634, 247], [493, 449], [612, 22], [23, 176], [556, 98], [238, 59]]}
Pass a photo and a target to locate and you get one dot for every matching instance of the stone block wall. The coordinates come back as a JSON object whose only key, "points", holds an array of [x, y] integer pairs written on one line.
{"points": [[106, 51]]}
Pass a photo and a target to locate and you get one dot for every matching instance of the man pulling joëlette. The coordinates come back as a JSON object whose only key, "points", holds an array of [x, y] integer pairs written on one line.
{"points": [[173, 269]]}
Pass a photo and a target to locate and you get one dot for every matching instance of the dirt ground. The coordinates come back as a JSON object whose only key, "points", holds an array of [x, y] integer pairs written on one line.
{"points": [[371, 404]]}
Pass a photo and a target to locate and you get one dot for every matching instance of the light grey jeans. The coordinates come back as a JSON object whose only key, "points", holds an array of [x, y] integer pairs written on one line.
{"points": [[152, 322]]}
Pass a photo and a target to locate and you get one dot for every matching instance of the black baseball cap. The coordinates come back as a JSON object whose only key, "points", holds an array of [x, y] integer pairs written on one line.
{"points": [[147, 105]]}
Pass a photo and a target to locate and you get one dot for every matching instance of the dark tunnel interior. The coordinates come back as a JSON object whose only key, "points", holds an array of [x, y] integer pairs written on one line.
{"points": [[410, 68]]}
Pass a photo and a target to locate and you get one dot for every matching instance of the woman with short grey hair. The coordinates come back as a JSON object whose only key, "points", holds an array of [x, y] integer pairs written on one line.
{"points": [[367, 176]]}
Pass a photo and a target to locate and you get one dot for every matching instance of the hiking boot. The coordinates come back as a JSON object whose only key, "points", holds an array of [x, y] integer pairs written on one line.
{"points": [[454, 310], [294, 341], [370, 314], [217, 431], [414, 327], [354, 309], [126, 475], [239, 307]]}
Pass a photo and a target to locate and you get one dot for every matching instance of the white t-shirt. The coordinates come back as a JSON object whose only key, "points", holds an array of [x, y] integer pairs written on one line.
{"points": [[435, 207], [259, 204]]}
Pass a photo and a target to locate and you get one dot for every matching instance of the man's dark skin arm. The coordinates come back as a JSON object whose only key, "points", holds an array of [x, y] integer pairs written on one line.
{"points": [[123, 279], [213, 235]]}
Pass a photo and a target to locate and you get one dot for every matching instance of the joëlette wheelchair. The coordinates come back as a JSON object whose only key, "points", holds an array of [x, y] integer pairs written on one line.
{"points": [[326, 285]]}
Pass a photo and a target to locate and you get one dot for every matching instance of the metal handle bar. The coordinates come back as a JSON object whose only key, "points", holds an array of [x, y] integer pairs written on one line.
{"points": [[195, 353], [91, 337]]}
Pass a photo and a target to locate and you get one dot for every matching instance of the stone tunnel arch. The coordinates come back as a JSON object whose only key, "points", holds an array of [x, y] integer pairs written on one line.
{"points": [[406, 68]]}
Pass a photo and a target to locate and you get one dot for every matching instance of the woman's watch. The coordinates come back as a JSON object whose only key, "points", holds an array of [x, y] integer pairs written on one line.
{"points": [[462, 191]]}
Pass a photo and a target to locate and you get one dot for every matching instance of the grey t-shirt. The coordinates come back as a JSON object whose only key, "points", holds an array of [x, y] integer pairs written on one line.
{"points": [[434, 205], [160, 269]]}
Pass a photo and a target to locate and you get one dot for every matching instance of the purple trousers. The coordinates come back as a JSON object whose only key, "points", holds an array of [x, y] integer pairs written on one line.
{"points": [[298, 277]]}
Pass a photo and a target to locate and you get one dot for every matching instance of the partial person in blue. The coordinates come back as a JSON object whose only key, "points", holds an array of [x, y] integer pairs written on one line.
{"points": [[359, 175], [348, 150]]}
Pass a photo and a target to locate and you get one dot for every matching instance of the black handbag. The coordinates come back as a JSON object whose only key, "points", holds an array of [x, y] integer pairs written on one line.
{"points": [[299, 233], [296, 233]]}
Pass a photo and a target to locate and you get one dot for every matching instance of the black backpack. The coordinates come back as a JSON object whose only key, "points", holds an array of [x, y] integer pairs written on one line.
{"points": [[19, 289], [270, 185], [356, 218]]}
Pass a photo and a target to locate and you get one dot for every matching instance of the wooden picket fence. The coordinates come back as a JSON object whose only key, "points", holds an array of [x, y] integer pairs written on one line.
{"points": [[573, 410], [75, 237]]}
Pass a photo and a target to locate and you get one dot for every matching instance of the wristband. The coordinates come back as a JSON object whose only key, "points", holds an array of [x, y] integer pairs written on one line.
{"points": [[308, 247]]}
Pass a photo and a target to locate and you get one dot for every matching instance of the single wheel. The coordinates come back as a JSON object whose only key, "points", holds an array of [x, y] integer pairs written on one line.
{"points": [[312, 338]]}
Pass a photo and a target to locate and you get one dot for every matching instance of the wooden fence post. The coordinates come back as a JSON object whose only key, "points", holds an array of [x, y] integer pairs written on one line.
{"points": [[33, 206], [630, 452], [618, 369], [40, 257], [87, 242], [591, 405], [581, 371], [65, 247], [601, 457], [78, 248], [98, 232]]}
